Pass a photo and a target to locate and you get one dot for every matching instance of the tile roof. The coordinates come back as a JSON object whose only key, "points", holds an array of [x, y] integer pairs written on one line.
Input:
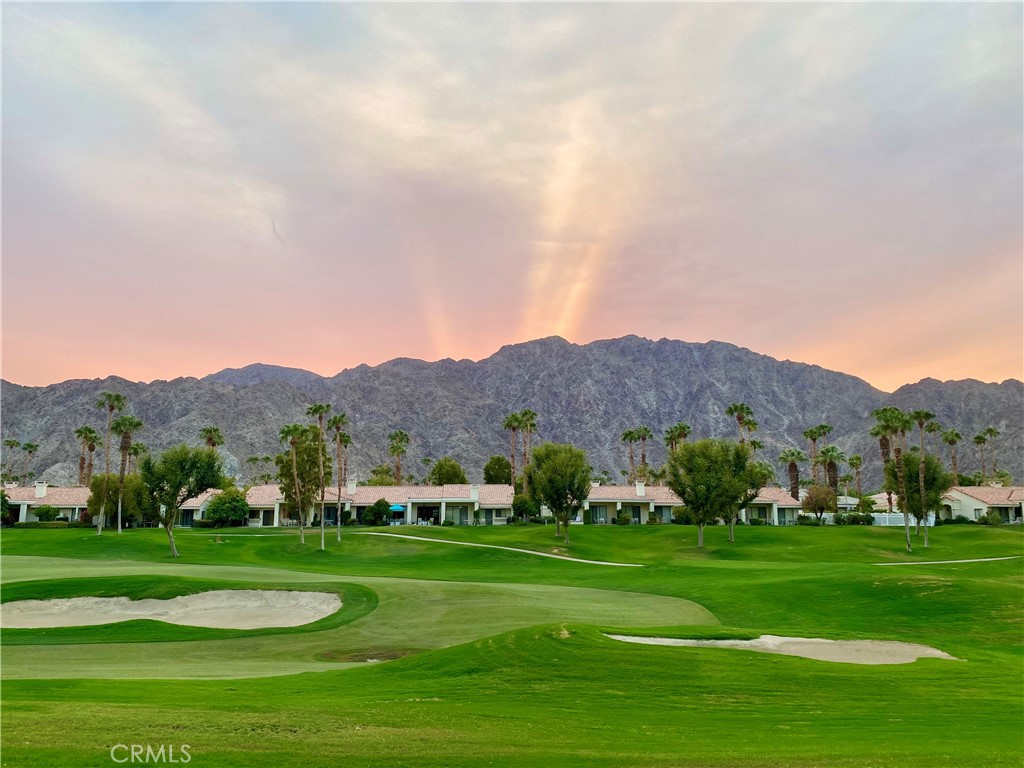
{"points": [[778, 496], [263, 495], [197, 501], [72, 496], [1007, 495], [659, 494]]}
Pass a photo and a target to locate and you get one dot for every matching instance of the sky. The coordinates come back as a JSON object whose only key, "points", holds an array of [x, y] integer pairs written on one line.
{"points": [[190, 187]]}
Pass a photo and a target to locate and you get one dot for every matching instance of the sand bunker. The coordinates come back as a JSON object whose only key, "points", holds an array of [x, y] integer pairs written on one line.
{"points": [[849, 651], [220, 609]]}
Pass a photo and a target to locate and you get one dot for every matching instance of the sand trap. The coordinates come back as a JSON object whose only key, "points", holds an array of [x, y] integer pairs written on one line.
{"points": [[848, 651], [220, 609]]}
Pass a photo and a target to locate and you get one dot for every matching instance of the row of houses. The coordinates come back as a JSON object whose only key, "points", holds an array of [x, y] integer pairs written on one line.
{"points": [[491, 504]]}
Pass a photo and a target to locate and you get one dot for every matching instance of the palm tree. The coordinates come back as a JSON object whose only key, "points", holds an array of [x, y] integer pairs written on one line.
{"points": [[831, 457], [109, 401], [741, 412], [934, 428], [951, 437], [675, 435], [29, 450], [85, 435], [643, 434], [398, 446], [812, 436], [991, 433], [93, 443], [337, 423], [212, 436], [124, 427], [856, 462], [755, 446], [921, 418], [824, 430], [12, 445], [290, 434], [629, 437], [792, 457], [892, 422], [137, 450], [513, 422], [320, 410], [980, 440], [528, 425]]}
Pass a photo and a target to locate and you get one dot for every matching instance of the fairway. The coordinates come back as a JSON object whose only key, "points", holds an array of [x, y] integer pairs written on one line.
{"points": [[454, 655]]}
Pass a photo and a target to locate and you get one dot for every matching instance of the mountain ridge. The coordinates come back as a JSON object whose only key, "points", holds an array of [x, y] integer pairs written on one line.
{"points": [[585, 393]]}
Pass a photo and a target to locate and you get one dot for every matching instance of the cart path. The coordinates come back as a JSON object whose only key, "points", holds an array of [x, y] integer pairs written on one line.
{"points": [[947, 562], [496, 546]]}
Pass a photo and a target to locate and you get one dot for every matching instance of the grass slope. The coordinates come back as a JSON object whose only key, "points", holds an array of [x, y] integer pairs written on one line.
{"points": [[537, 683]]}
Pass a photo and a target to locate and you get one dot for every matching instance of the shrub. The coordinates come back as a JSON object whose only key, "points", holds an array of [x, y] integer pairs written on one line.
{"points": [[205, 523], [960, 520], [46, 513], [511, 520], [992, 518], [350, 521], [228, 508], [622, 517], [47, 524], [808, 520], [681, 516], [448, 523], [756, 521], [537, 519], [840, 518], [378, 513]]}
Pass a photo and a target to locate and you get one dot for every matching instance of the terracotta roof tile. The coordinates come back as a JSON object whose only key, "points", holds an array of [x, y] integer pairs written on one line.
{"points": [[72, 496], [1008, 495], [197, 501], [778, 496], [659, 494]]}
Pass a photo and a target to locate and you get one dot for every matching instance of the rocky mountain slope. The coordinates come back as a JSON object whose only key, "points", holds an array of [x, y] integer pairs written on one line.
{"points": [[585, 394]]}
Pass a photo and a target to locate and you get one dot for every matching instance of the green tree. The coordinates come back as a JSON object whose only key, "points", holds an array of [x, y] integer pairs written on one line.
{"points": [[319, 411], [85, 436], [559, 478], [643, 434], [791, 458], [299, 485], [337, 424], [676, 435], [498, 471], [291, 434], [831, 457], [124, 427], [527, 426], [895, 423], [741, 412], [29, 449], [819, 500], [856, 462], [378, 513], [228, 508], [446, 471], [382, 474], [513, 422], [936, 482], [756, 475], [110, 402], [398, 446], [46, 513], [991, 433], [524, 507], [711, 477], [212, 436], [922, 418], [179, 474], [951, 437], [630, 438]]}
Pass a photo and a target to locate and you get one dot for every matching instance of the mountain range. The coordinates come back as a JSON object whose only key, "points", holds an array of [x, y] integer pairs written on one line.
{"points": [[585, 394]]}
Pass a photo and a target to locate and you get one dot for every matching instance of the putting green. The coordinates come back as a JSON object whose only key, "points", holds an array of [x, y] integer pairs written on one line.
{"points": [[411, 615]]}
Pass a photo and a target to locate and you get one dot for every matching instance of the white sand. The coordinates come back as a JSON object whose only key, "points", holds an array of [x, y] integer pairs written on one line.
{"points": [[848, 651], [220, 609]]}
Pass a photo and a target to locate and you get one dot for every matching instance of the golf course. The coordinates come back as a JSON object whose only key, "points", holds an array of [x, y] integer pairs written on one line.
{"points": [[449, 655]]}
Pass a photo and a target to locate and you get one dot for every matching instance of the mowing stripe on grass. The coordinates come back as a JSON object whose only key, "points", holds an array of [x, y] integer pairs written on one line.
{"points": [[947, 562], [496, 546]]}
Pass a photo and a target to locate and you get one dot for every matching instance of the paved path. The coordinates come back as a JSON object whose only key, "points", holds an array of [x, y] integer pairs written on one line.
{"points": [[946, 562], [495, 546]]}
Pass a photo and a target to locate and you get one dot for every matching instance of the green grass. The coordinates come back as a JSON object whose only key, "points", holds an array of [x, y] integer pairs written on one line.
{"points": [[498, 657]]}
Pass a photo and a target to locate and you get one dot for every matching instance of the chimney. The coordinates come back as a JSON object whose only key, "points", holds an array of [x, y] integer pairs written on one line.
{"points": [[474, 493], [594, 484], [996, 484], [350, 487], [640, 491], [41, 489]]}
